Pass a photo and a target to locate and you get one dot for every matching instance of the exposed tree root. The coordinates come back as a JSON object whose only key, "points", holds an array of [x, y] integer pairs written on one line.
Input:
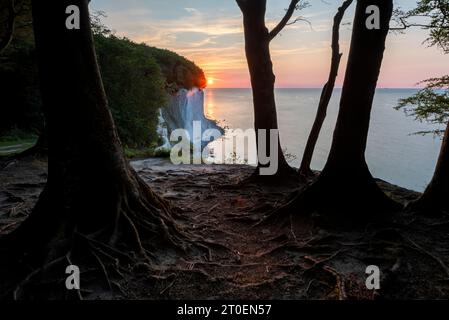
{"points": [[17, 291], [307, 176], [339, 283], [271, 281], [427, 206], [335, 199], [284, 176], [142, 225], [319, 262], [282, 247], [168, 287], [429, 254], [310, 261]]}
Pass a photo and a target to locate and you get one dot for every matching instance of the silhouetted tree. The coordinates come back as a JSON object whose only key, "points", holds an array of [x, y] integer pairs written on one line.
{"points": [[94, 204], [436, 195], [326, 94], [257, 46], [346, 185], [436, 21], [431, 103]]}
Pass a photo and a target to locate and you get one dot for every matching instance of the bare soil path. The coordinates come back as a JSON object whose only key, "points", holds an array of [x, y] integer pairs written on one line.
{"points": [[302, 259]]}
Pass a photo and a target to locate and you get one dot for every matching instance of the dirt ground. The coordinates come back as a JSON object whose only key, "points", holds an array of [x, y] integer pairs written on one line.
{"points": [[303, 259]]}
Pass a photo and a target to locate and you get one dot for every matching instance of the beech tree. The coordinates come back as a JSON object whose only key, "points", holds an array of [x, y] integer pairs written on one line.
{"points": [[346, 185], [436, 195], [94, 205], [257, 47], [326, 95]]}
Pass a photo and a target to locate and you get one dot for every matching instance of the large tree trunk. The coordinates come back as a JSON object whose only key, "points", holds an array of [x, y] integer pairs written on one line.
{"points": [[346, 186], [364, 63], [257, 47], [92, 194], [436, 196], [326, 95], [346, 174]]}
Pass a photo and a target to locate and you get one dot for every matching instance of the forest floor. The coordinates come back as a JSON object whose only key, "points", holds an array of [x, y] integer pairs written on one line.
{"points": [[303, 259]]}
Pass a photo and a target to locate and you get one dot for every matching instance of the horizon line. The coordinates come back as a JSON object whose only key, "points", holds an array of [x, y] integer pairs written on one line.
{"points": [[381, 88]]}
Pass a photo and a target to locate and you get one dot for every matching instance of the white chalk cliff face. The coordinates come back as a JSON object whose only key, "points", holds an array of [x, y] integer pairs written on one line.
{"points": [[185, 107]]}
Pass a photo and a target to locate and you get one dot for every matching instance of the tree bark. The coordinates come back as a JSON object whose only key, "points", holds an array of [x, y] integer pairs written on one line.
{"points": [[92, 193], [436, 196], [326, 94], [346, 187], [346, 175], [257, 47]]}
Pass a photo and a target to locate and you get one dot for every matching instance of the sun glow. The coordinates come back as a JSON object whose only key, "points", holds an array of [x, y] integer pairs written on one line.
{"points": [[210, 81], [210, 104]]}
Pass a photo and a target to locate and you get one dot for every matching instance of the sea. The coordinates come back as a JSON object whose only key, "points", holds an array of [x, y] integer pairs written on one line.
{"points": [[394, 152]]}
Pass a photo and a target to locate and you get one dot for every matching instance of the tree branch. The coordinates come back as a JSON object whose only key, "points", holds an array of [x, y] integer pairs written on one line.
{"points": [[326, 93], [288, 15], [301, 19], [402, 18], [406, 25]]}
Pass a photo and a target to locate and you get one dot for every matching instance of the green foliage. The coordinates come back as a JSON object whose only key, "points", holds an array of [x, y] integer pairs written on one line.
{"points": [[15, 141], [430, 104], [431, 15], [438, 13], [178, 71], [20, 95], [135, 88], [132, 153], [16, 135], [148, 152], [162, 153], [137, 79]]}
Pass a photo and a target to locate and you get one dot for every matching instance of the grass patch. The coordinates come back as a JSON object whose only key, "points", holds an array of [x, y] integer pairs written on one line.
{"points": [[12, 148], [142, 153], [16, 141], [16, 136]]}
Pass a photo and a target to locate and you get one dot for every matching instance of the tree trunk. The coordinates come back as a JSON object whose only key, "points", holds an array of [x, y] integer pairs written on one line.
{"points": [[346, 174], [436, 195], [92, 194], [346, 187], [257, 47], [305, 170]]}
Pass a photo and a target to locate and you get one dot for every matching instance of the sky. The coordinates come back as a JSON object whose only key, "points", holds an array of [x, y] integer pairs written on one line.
{"points": [[210, 33]]}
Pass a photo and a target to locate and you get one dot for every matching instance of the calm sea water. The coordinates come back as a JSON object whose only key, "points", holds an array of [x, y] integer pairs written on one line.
{"points": [[393, 153]]}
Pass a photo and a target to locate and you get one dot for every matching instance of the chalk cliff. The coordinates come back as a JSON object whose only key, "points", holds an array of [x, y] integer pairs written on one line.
{"points": [[185, 107]]}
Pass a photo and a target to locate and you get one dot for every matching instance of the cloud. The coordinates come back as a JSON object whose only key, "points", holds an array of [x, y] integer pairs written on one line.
{"points": [[191, 10], [210, 32]]}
